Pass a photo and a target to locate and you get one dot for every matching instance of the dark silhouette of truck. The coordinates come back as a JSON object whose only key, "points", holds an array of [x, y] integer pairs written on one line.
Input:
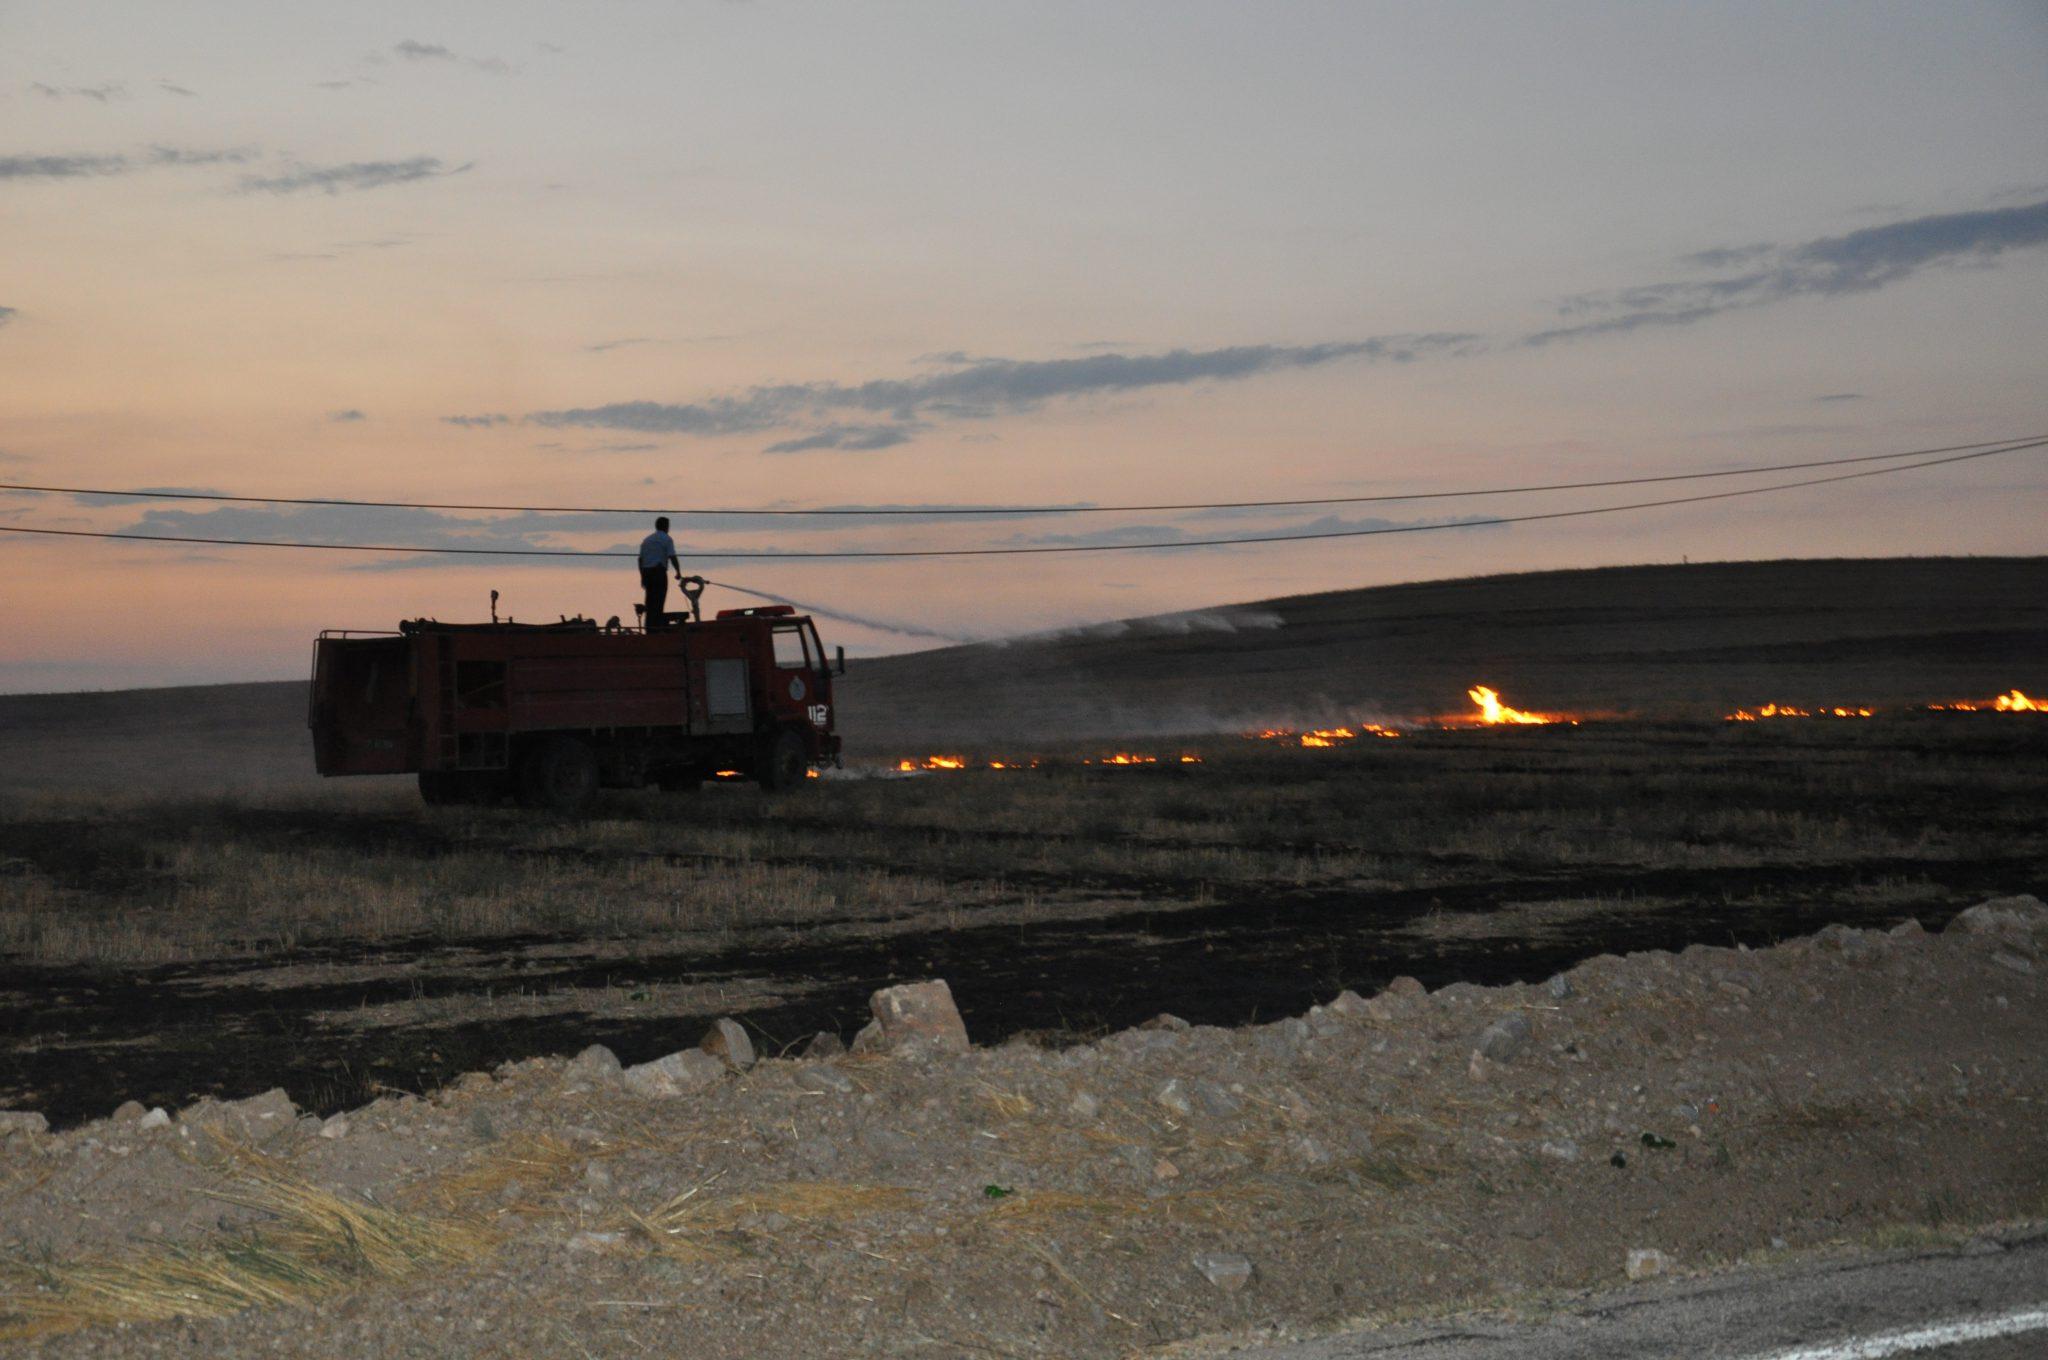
{"points": [[549, 713]]}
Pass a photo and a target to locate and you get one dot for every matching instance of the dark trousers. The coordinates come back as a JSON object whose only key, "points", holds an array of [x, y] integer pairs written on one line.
{"points": [[654, 580]]}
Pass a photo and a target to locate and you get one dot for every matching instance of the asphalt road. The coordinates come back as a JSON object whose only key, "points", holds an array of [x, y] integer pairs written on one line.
{"points": [[1988, 1301]]}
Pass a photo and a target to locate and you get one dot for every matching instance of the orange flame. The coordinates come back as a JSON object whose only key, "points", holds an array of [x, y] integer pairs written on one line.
{"points": [[1788, 711], [2015, 702], [1493, 712], [931, 763], [1324, 736]]}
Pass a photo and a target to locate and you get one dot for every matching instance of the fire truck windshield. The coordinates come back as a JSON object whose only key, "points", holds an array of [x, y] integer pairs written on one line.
{"points": [[789, 648]]}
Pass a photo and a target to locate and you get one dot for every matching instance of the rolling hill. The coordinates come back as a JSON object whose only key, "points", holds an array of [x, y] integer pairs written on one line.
{"points": [[1690, 640]]}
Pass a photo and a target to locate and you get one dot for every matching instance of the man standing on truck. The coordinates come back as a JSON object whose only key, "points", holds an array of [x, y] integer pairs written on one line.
{"points": [[657, 554]]}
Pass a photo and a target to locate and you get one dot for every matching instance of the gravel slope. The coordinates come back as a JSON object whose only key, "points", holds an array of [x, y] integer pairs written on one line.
{"points": [[1160, 1187]]}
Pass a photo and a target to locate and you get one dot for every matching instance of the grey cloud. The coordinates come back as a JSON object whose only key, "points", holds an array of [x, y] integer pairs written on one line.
{"points": [[355, 175], [977, 388], [1172, 534], [168, 88], [411, 50], [119, 498], [185, 155], [8, 314], [340, 524], [94, 166], [1829, 266], [605, 346], [61, 167], [620, 448], [1839, 396], [857, 438], [99, 94], [346, 417], [482, 422]]}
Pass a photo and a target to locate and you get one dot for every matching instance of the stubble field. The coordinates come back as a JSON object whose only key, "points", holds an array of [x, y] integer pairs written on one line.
{"points": [[346, 942]]}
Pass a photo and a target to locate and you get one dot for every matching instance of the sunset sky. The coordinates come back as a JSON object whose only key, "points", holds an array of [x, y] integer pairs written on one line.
{"points": [[715, 254]]}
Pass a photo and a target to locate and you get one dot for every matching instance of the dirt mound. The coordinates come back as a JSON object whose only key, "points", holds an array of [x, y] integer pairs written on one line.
{"points": [[1412, 1151]]}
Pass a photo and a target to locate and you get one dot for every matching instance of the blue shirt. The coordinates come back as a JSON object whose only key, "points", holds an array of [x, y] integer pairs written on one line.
{"points": [[655, 550]]}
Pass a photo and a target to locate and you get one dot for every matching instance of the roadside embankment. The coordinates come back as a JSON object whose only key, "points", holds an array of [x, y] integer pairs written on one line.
{"points": [[1412, 1151]]}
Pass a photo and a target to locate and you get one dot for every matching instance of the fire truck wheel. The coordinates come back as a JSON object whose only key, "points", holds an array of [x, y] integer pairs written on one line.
{"points": [[784, 762], [559, 773]]}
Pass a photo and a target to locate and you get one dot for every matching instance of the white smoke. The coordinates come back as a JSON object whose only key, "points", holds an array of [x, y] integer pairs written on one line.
{"points": [[1156, 625]]}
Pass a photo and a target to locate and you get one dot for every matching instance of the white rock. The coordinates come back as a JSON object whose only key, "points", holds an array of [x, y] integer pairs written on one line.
{"points": [[915, 1019], [727, 1041], [822, 1078], [1225, 1269], [1646, 1263], [677, 1074]]}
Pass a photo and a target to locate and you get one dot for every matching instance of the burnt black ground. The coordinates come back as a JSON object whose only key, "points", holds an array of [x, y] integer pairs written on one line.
{"points": [[1125, 944], [87, 1039]]}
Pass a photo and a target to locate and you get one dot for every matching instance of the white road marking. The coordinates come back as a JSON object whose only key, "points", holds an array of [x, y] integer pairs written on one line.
{"points": [[2031, 1319]]}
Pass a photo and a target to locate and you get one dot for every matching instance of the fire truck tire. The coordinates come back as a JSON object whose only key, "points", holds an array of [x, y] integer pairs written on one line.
{"points": [[784, 763], [558, 773]]}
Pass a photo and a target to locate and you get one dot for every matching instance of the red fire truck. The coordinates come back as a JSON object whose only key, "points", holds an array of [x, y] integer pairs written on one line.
{"points": [[548, 713]]}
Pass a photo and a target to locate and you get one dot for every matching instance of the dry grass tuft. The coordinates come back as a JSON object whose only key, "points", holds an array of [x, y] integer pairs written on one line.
{"points": [[312, 1243], [695, 1226], [1008, 1104], [537, 1162]]}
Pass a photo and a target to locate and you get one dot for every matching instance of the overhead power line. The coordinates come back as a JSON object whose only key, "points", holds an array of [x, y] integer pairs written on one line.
{"points": [[785, 511], [1042, 549]]}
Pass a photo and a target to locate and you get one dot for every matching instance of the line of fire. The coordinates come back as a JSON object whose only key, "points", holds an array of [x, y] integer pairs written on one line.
{"points": [[1489, 711], [548, 713]]}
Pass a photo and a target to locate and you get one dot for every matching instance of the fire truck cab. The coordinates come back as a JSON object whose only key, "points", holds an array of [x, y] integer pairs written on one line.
{"points": [[549, 713]]}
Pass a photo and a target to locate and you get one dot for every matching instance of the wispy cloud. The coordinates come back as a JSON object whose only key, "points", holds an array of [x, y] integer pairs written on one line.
{"points": [[606, 346], [412, 50], [348, 417], [62, 167], [479, 422], [8, 314], [94, 166], [1168, 534], [169, 88], [186, 155], [826, 415], [351, 177], [99, 94], [855, 438], [1839, 396], [139, 497], [1828, 266], [970, 388]]}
